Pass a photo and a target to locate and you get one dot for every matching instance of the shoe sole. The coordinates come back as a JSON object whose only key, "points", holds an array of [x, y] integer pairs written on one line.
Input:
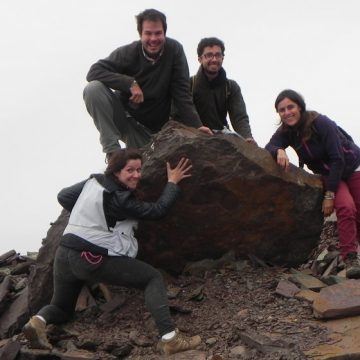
{"points": [[32, 337]]}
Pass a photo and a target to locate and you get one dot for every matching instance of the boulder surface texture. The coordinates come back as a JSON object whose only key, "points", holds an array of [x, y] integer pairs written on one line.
{"points": [[237, 199]]}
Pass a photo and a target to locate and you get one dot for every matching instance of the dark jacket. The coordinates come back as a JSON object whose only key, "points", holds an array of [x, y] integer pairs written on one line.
{"points": [[216, 98], [162, 81], [328, 152], [118, 204]]}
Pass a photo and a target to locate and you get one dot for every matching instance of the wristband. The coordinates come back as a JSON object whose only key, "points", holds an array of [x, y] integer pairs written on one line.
{"points": [[329, 195], [133, 84]]}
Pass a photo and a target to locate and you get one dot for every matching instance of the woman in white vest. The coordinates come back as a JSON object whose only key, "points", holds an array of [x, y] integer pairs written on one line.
{"points": [[98, 244]]}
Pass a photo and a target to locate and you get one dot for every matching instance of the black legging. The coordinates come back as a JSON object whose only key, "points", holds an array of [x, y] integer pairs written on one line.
{"points": [[71, 271]]}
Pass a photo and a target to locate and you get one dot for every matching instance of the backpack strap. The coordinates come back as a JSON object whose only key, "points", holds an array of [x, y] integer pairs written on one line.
{"points": [[227, 88], [227, 92], [192, 84]]}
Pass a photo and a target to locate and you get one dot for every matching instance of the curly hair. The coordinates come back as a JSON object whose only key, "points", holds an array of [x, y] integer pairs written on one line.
{"points": [[210, 41]]}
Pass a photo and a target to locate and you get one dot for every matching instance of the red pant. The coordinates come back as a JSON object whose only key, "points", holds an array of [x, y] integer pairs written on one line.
{"points": [[347, 206]]}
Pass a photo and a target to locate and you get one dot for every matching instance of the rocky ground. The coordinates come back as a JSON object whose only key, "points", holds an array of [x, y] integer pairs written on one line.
{"points": [[228, 308], [230, 303]]}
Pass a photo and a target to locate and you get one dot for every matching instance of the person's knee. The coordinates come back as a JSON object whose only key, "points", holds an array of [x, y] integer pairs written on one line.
{"points": [[93, 89], [156, 276]]}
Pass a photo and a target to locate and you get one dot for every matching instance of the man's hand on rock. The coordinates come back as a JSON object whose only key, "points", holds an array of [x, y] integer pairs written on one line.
{"points": [[205, 130]]}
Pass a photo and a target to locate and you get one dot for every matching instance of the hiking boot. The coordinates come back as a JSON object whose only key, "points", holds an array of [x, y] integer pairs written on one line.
{"points": [[352, 266], [351, 260], [35, 331], [179, 343]]}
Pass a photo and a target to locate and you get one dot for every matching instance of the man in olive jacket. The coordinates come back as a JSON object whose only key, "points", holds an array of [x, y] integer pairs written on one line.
{"points": [[214, 95], [129, 93]]}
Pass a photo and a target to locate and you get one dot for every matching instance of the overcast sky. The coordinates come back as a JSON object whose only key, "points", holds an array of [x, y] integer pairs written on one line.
{"points": [[48, 140]]}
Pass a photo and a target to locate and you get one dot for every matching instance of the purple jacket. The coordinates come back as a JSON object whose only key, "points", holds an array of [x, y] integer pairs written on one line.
{"points": [[328, 152]]}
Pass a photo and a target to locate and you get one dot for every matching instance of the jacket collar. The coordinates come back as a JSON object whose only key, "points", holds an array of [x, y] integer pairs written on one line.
{"points": [[148, 58], [108, 182]]}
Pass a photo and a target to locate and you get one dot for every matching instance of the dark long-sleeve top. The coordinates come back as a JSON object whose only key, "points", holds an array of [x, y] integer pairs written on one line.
{"points": [[161, 81], [118, 204], [216, 98], [327, 152]]}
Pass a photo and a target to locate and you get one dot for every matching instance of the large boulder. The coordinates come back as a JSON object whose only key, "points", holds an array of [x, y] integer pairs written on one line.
{"points": [[237, 199]]}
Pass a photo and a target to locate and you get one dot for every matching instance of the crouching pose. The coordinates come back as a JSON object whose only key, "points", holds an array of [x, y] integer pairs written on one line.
{"points": [[98, 245]]}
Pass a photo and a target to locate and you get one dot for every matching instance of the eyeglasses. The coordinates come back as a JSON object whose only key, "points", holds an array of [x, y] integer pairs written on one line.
{"points": [[209, 56]]}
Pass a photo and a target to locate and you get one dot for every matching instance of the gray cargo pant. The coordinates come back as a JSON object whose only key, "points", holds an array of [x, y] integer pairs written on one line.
{"points": [[72, 270], [111, 119]]}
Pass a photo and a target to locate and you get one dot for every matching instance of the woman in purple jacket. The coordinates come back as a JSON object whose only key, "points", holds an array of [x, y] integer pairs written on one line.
{"points": [[326, 150]]}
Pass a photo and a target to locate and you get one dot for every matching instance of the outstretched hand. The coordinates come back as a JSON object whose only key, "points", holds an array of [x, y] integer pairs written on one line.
{"points": [[179, 172]]}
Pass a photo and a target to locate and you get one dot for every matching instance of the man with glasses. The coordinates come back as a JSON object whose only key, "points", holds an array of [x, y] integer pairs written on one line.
{"points": [[129, 93], [214, 95]]}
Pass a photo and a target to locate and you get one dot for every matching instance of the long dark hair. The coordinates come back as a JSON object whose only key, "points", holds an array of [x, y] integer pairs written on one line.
{"points": [[304, 126], [119, 159]]}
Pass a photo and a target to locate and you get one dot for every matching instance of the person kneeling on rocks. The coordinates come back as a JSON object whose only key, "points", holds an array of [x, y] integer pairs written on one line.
{"points": [[98, 245]]}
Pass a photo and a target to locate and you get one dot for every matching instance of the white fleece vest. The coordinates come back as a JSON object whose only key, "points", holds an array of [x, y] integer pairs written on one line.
{"points": [[87, 220]]}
